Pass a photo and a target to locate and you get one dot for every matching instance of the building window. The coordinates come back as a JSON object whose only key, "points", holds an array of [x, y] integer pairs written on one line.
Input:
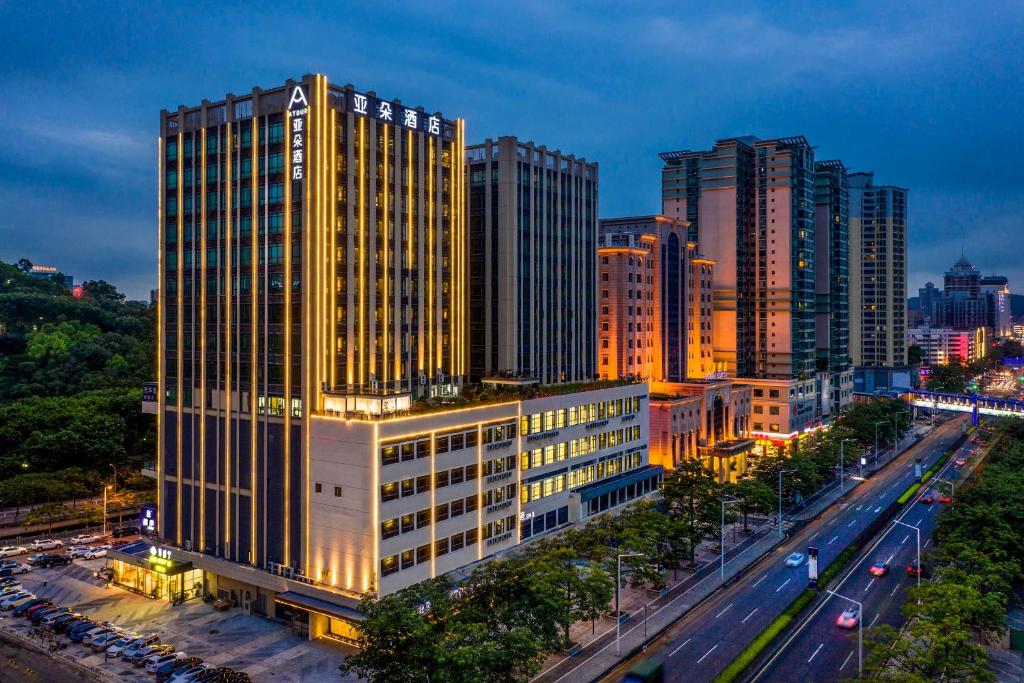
{"points": [[319, 487], [422, 554], [337, 492]]}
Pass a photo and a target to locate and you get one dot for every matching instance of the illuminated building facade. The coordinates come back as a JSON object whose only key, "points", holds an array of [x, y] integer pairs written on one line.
{"points": [[878, 272], [312, 251], [942, 345], [751, 208], [532, 267]]}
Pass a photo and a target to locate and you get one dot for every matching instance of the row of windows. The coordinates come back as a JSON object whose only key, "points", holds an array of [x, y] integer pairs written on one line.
{"points": [[412, 557], [574, 448], [579, 477], [588, 412], [420, 447], [422, 519]]}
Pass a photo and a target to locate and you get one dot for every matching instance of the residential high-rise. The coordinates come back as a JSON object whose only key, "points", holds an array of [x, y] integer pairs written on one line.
{"points": [[751, 205], [929, 299], [996, 290], [532, 245], [832, 284], [878, 272]]}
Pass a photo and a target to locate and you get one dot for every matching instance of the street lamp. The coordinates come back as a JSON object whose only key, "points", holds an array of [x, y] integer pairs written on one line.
{"points": [[860, 631], [918, 532], [618, 582], [842, 458], [111, 465], [105, 489], [722, 530], [781, 472]]}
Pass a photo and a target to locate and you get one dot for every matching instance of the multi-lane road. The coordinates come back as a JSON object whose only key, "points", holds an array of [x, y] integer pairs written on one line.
{"points": [[819, 650], [705, 640]]}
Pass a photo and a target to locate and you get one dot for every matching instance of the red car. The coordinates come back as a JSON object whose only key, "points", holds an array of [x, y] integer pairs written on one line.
{"points": [[879, 569], [960, 462], [944, 499], [914, 569], [927, 498]]}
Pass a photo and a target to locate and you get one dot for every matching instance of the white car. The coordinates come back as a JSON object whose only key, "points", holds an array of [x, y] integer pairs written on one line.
{"points": [[13, 601], [97, 551], [154, 662], [77, 550], [16, 567], [85, 538], [118, 648], [796, 559], [46, 544], [12, 550], [190, 673]]}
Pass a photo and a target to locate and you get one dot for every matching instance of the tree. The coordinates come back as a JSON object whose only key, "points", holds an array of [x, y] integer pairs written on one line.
{"points": [[47, 514], [915, 354], [754, 496], [24, 265], [925, 651], [692, 495]]}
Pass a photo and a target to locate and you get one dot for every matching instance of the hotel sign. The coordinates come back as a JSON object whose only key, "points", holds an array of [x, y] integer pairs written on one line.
{"points": [[298, 107], [394, 113]]}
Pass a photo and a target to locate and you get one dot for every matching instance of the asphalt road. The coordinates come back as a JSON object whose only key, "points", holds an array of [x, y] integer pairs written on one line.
{"points": [[708, 638], [822, 651]]}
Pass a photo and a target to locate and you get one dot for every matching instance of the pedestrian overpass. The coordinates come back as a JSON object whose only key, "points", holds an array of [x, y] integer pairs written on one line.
{"points": [[966, 403]]}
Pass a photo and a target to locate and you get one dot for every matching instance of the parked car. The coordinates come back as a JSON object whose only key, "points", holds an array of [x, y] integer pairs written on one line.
{"points": [[49, 560], [144, 653], [9, 591], [156, 661], [65, 625], [101, 643], [7, 581], [55, 622], [190, 673], [168, 669], [96, 551], [46, 604], [849, 618], [98, 632], [85, 634], [14, 567], [85, 538], [77, 550], [127, 530], [46, 544], [12, 550], [795, 559], [140, 643], [118, 647], [13, 601], [38, 616], [55, 615], [24, 607]]}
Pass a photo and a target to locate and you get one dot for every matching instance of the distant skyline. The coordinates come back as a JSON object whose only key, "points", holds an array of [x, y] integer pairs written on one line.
{"points": [[926, 95]]}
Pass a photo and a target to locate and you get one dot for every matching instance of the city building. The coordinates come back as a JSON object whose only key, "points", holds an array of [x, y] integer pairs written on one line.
{"points": [[319, 438], [942, 345], [751, 208], [656, 323], [832, 282], [532, 239], [996, 290], [878, 272], [52, 274], [929, 300]]}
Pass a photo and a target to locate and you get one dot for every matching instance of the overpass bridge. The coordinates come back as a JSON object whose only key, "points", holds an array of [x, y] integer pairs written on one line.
{"points": [[966, 403]]}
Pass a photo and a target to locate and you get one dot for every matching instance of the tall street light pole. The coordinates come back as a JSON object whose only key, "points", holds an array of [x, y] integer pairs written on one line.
{"points": [[105, 489], [918, 532], [781, 472], [860, 631], [842, 460], [722, 530], [618, 583]]}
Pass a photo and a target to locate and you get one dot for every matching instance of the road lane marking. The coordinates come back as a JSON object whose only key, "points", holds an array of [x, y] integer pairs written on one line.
{"points": [[877, 510], [852, 522], [749, 615], [889, 561], [859, 507], [919, 522], [834, 539], [707, 653], [832, 521], [926, 543], [870, 583], [874, 620], [905, 539], [930, 508], [783, 584], [724, 610], [815, 534], [894, 590], [672, 654], [759, 581], [815, 653], [846, 661]]}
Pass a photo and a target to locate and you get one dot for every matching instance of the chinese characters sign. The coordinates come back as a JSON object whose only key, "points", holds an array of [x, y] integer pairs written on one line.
{"points": [[298, 106], [390, 112]]}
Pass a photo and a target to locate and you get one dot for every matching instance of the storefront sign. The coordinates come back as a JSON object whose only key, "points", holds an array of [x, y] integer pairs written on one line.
{"points": [[147, 519], [392, 112], [298, 106]]}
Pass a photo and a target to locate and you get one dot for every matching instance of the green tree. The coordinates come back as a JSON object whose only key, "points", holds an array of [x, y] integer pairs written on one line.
{"points": [[754, 496], [692, 496]]}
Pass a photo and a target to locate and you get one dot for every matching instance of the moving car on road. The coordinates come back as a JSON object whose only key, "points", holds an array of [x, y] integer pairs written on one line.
{"points": [[46, 544], [879, 569], [795, 559], [849, 618], [915, 569], [12, 550], [960, 462], [927, 498]]}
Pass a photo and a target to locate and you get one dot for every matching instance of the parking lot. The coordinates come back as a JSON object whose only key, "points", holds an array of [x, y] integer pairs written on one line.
{"points": [[266, 650]]}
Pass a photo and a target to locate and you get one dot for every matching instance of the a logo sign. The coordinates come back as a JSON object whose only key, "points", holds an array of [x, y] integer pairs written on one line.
{"points": [[298, 99], [157, 553], [715, 376], [148, 519]]}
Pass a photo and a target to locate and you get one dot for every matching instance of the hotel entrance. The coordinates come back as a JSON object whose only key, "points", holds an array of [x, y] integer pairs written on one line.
{"points": [[151, 571]]}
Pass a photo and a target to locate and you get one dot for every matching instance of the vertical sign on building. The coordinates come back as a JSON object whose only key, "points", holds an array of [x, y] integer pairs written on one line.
{"points": [[298, 106]]}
